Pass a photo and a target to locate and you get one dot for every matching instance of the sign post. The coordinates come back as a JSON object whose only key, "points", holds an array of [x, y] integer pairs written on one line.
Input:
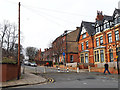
{"points": [[64, 59], [64, 56]]}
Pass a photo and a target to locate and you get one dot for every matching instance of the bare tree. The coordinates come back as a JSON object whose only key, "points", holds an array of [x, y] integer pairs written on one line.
{"points": [[31, 52], [3, 30], [14, 36], [9, 37], [58, 48]]}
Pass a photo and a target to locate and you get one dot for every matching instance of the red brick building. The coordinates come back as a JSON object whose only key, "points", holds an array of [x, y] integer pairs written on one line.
{"points": [[85, 43], [39, 55], [99, 42], [67, 44], [48, 54]]}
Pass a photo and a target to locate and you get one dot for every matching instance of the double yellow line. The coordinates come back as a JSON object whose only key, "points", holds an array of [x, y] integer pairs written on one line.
{"points": [[51, 80]]}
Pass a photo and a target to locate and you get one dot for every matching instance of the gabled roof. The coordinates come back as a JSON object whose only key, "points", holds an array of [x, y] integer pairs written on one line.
{"points": [[108, 18], [117, 11], [89, 26]]}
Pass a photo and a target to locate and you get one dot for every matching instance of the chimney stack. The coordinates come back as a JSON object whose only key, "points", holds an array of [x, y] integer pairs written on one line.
{"points": [[99, 16]]}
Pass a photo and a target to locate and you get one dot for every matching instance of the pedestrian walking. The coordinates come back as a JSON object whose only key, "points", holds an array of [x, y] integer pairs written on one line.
{"points": [[106, 68]]}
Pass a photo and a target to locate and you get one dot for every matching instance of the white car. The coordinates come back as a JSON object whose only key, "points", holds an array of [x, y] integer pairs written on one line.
{"points": [[33, 64], [26, 63]]}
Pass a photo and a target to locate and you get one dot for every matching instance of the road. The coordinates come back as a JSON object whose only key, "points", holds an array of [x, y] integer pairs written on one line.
{"points": [[74, 80]]}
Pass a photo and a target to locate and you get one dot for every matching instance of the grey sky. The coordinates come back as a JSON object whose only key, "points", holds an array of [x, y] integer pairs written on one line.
{"points": [[44, 20]]}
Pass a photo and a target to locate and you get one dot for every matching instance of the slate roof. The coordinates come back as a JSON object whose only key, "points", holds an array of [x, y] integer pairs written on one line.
{"points": [[117, 11], [89, 28], [105, 17], [108, 18]]}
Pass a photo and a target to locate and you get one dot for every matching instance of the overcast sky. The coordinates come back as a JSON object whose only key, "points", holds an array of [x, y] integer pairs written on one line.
{"points": [[44, 20]]}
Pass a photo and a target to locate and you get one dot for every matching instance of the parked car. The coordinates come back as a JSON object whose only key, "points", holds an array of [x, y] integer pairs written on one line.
{"points": [[33, 64], [26, 63]]}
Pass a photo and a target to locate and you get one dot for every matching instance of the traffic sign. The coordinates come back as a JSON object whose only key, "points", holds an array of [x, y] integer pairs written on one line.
{"points": [[63, 54]]}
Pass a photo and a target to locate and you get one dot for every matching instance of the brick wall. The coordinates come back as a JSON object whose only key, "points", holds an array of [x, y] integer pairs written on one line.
{"points": [[75, 58], [9, 72]]}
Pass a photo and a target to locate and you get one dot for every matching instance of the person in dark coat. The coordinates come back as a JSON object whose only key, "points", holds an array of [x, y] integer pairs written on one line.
{"points": [[106, 68]]}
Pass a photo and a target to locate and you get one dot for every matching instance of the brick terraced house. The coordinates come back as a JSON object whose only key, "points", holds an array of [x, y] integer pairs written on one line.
{"points": [[66, 43], [85, 43], [99, 42]]}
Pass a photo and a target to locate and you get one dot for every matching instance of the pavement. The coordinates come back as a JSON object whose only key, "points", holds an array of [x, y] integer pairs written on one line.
{"points": [[26, 79]]}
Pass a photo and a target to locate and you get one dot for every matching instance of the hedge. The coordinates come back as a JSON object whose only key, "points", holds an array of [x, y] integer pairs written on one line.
{"points": [[6, 60]]}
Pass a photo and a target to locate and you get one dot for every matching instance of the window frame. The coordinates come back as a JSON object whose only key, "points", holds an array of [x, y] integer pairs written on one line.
{"points": [[101, 40], [109, 37], [97, 55], [82, 46], [102, 53], [83, 35], [83, 57], [71, 58], [117, 35], [97, 42], [87, 45]]}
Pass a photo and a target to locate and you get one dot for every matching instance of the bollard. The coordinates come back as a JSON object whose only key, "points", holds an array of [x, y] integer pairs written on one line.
{"points": [[23, 69], [77, 69], [58, 69], [67, 69], [44, 69], [36, 70]]}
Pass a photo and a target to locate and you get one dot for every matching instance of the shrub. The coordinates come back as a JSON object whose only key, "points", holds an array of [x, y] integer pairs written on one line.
{"points": [[6, 60]]}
